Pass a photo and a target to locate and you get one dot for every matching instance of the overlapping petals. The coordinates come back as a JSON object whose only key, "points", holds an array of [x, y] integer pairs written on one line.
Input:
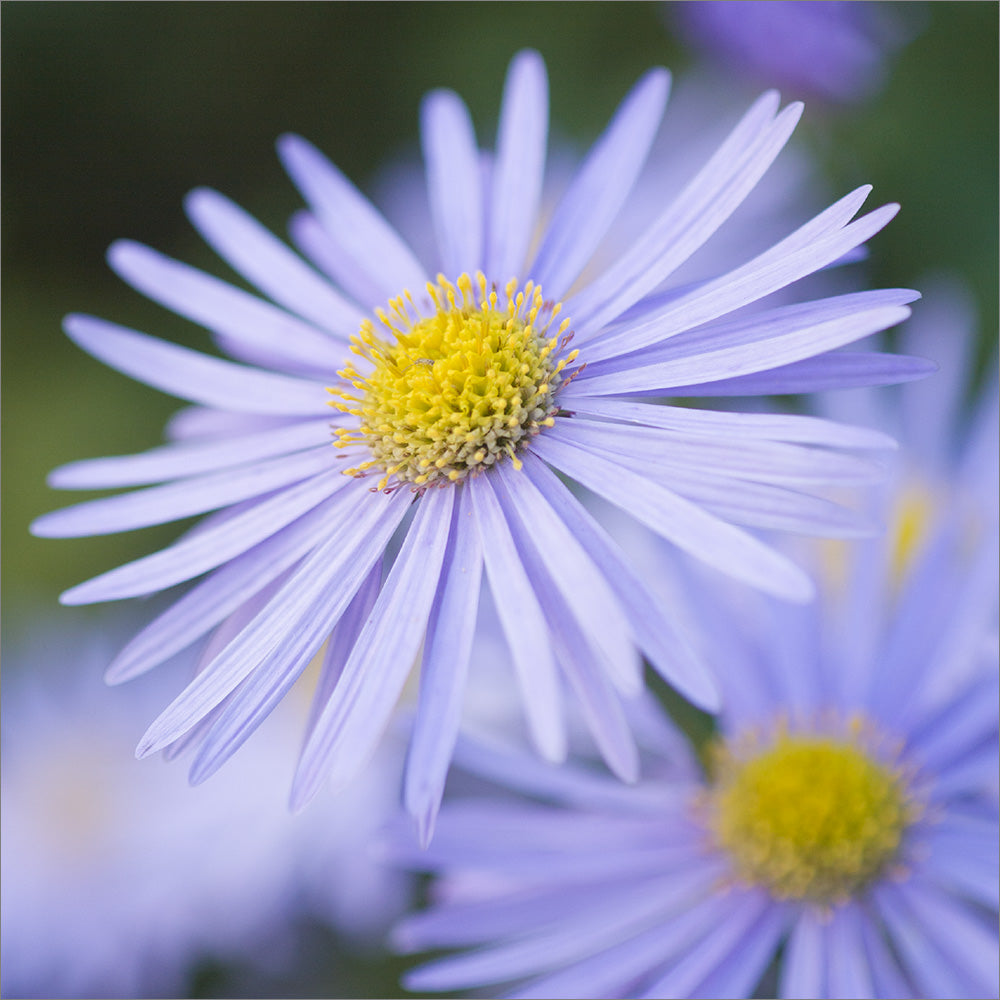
{"points": [[293, 553]]}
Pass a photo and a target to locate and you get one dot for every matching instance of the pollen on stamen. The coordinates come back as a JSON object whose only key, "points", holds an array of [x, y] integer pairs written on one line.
{"points": [[448, 392]]}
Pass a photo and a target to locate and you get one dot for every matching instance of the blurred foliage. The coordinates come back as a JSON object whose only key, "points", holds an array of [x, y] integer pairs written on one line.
{"points": [[113, 111]]}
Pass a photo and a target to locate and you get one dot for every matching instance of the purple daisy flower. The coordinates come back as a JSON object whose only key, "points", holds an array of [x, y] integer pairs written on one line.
{"points": [[841, 841], [831, 50], [462, 397]]}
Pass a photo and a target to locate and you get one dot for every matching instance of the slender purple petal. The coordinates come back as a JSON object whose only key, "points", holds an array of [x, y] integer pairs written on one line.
{"points": [[655, 632], [698, 211], [342, 641], [760, 505], [269, 264], [179, 461], [194, 376], [224, 309], [734, 426], [518, 168], [887, 976], [477, 921], [359, 708], [198, 553], [744, 329], [718, 455], [742, 971], [601, 185], [588, 595], [848, 970], [614, 971], [565, 784], [836, 370], [444, 670], [255, 699], [969, 720], [813, 246], [946, 952], [528, 841], [217, 641], [803, 971], [599, 701], [219, 595], [330, 256], [193, 423], [335, 569], [760, 355], [614, 914], [746, 914], [523, 623], [578, 653], [380, 264], [641, 258], [453, 181], [689, 527], [966, 936], [173, 501], [965, 862]]}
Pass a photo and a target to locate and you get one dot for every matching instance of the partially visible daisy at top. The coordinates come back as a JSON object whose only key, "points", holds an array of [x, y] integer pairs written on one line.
{"points": [[834, 51], [368, 385]]}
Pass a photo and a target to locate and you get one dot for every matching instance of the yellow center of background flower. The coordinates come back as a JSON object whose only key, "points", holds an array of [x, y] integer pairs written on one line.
{"points": [[453, 393], [810, 817]]}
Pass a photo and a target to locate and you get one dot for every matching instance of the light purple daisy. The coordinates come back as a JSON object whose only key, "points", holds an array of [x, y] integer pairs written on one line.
{"points": [[841, 841], [832, 50], [456, 400]]}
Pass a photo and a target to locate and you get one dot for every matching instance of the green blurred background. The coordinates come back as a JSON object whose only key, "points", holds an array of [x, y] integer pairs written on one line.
{"points": [[113, 111]]}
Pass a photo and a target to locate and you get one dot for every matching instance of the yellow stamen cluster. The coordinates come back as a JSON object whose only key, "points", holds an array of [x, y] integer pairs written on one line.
{"points": [[448, 395], [809, 817]]}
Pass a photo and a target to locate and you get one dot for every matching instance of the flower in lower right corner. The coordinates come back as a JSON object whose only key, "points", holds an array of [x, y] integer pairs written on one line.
{"points": [[838, 839]]}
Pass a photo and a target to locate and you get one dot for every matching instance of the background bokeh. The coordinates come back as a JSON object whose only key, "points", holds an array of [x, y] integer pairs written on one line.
{"points": [[113, 111]]}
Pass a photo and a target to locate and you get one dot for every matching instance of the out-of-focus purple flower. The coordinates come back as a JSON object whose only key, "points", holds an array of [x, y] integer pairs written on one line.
{"points": [[948, 428], [843, 836], [831, 50], [457, 406], [118, 878]]}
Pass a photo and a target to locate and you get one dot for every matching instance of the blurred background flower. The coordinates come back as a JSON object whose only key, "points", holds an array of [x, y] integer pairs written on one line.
{"points": [[121, 881], [833, 51], [837, 839]]}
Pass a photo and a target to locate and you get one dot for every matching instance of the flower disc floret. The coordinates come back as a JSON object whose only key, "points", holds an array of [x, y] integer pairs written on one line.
{"points": [[455, 392], [811, 817]]}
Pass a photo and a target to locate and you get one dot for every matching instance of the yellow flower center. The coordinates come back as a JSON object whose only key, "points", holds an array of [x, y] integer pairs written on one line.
{"points": [[809, 817], [450, 394], [910, 526]]}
